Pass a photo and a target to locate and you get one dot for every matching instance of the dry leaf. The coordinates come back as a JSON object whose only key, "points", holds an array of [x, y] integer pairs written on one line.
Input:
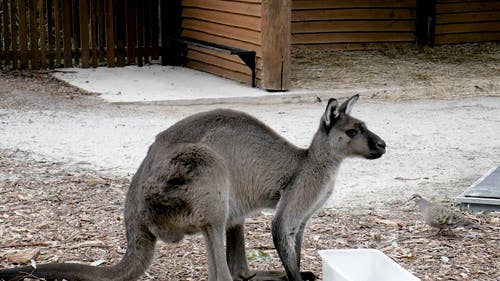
{"points": [[22, 257]]}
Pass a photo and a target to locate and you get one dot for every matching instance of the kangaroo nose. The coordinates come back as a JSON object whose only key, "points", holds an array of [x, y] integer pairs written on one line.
{"points": [[381, 144]]}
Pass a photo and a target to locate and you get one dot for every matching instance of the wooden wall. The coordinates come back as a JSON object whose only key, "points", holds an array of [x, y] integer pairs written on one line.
{"points": [[352, 24], [232, 23], [467, 21]]}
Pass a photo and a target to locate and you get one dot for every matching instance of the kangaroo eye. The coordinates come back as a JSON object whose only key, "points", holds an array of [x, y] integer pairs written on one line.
{"points": [[351, 133]]}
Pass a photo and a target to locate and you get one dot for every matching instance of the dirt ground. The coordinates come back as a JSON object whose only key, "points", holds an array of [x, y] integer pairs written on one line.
{"points": [[59, 212]]}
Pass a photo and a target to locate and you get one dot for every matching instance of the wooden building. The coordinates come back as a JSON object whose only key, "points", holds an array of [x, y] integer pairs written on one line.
{"points": [[245, 40]]}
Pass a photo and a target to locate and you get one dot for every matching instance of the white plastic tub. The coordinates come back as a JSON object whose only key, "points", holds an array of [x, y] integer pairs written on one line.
{"points": [[362, 265]]}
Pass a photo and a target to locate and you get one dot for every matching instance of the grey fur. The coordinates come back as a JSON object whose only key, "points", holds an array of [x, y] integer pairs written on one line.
{"points": [[209, 171]]}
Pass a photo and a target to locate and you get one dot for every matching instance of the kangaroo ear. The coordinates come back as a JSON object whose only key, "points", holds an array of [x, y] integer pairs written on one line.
{"points": [[346, 107], [331, 113]]}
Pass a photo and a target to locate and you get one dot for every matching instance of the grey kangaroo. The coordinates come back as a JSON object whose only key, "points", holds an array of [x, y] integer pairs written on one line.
{"points": [[209, 171]]}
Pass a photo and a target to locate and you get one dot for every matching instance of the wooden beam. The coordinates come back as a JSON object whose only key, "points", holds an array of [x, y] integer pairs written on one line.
{"points": [[276, 44]]}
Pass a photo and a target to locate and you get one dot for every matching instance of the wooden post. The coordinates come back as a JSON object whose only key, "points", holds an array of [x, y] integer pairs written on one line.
{"points": [[155, 31], [121, 33], [57, 28], [84, 33], [110, 36], [6, 25], [276, 44], [13, 28], [101, 29], [23, 35], [93, 20], [75, 31], [140, 33], [43, 34], [131, 31], [425, 23], [35, 56], [67, 33], [49, 8]]}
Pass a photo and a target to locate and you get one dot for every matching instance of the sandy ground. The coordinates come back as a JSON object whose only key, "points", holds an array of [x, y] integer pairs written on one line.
{"points": [[442, 134], [435, 147]]}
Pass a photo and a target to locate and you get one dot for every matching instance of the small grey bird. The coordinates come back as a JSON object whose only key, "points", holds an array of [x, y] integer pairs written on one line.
{"points": [[440, 216]]}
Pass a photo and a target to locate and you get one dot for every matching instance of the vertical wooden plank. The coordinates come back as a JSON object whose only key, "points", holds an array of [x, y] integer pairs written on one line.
{"points": [[101, 37], [84, 32], [155, 30], [140, 34], [131, 31], [43, 37], [93, 22], [34, 51], [120, 33], [49, 8], [147, 29], [23, 35], [6, 33], [13, 28], [276, 43], [110, 36], [67, 33], [57, 28], [75, 31]]}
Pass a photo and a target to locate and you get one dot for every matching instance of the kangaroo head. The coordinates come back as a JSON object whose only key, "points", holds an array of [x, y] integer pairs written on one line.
{"points": [[349, 135]]}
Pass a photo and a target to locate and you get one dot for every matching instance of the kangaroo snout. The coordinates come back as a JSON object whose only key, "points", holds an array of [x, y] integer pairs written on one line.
{"points": [[377, 148]]}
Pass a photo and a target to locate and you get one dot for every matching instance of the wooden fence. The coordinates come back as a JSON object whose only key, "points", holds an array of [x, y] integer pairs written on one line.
{"points": [[38, 34]]}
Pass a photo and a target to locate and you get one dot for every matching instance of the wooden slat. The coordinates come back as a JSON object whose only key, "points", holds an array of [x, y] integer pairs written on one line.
{"points": [[101, 23], [467, 6], [241, 34], [84, 32], [57, 28], [110, 39], [468, 17], [354, 14], [34, 51], [155, 31], [49, 10], [68, 62], [220, 60], [140, 34], [233, 7], [220, 71], [14, 33], [249, 22], [43, 34], [94, 32], [221, 40], [352, 46], [351, 26], [23, 35], [323, 38], [467, 37], [131, 31], [342, 4], [147, 30], [468, 27], [120, 34], [6, 33], [75, 32]]}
